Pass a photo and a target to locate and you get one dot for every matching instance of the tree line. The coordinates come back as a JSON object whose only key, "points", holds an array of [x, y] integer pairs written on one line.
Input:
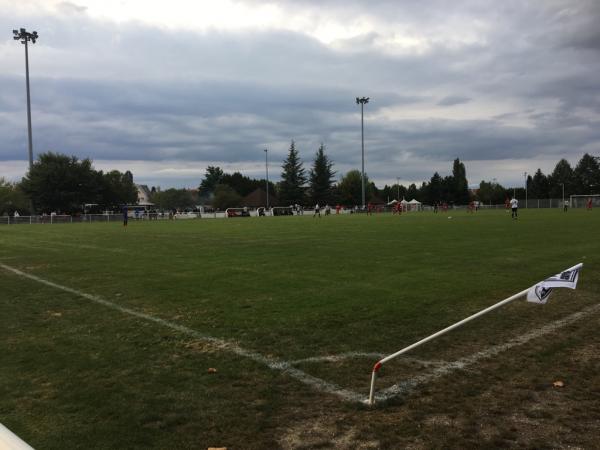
{"points": [[319, 185], [63, 184]]}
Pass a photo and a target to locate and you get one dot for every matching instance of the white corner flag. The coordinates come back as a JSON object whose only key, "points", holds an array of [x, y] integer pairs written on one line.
{"points": [[566, 279]]}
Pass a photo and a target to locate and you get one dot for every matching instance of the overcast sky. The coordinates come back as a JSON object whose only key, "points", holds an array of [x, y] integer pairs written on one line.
{"points": [[166, 88]]}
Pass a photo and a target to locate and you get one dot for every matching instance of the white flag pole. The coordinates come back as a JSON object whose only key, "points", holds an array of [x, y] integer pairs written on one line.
{"points": [[380, 363]]}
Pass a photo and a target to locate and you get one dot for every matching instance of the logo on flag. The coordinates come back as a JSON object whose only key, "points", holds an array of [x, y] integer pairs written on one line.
{"points": [[541, 291]]}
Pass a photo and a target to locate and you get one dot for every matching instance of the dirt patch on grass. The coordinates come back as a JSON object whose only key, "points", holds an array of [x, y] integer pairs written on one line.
{"points": [[324, 433]]}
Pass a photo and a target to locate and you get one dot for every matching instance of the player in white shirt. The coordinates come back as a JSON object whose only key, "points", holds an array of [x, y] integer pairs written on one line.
{"points": [[514, 205]]}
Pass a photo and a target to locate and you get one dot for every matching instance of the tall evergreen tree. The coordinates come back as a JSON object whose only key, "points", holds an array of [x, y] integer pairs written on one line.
{"points": [[412, 192], [435, 189], [539, 187], [293, 179], [321, 178], [461, 186]]}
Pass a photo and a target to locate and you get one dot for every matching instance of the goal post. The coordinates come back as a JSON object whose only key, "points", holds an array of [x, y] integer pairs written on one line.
{"points": [[581, 200]]}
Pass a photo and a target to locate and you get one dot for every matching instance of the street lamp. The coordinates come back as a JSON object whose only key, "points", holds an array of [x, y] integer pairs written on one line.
{"points": [[362, 101], [23, 36], [267, 170]]}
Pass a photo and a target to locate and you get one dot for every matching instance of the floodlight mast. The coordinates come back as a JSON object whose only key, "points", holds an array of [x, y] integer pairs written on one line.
{"points": [[23, 36], [362, 101]]}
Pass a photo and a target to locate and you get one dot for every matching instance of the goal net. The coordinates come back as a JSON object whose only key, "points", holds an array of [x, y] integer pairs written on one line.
{"points": [[582, 200]]}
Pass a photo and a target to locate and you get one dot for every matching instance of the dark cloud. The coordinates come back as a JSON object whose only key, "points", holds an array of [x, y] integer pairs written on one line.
{"points": [[486, 82]]}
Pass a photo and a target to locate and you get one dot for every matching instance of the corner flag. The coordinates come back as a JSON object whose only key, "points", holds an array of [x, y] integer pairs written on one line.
{"points": [[541, 291]]}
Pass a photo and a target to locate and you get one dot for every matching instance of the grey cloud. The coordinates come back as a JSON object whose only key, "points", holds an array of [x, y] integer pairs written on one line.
{"points": [[452, 100], [132, 92], [71, 8]]}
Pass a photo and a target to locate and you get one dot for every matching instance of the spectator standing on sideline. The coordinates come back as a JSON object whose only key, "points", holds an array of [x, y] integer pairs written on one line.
{"points": [[588, 206], [566, 206], [514, 205], [125, 216]]}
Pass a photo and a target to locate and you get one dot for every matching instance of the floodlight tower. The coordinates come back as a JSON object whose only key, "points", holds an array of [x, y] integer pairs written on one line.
{"points": [[267, 170], [23, 36], [362, 101]]}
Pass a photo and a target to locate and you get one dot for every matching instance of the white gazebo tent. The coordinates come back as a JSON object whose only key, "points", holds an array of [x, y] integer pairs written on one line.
{"points": [[414, 205], [404, 204]]}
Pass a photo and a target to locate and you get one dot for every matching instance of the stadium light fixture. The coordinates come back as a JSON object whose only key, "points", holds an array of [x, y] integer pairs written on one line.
{"points": [[25, 37], [267, 171], [362, 101]]}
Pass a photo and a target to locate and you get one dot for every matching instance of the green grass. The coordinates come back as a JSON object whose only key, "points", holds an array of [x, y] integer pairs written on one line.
{"points": [[75, 374]]}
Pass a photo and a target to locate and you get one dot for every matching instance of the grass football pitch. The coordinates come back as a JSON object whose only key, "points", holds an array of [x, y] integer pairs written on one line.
{"points": [[262, 332]]}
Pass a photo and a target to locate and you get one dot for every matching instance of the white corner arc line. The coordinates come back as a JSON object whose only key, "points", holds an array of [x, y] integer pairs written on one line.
{"points": [[461, 364], [272, 363]]}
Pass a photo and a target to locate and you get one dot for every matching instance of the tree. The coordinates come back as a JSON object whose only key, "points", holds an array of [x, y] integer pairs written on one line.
{"points": [[61, 183], [212, 177], [412, 192], [434, 190], [12, 199], [562, 173], [491, 193], [173, 199], [293, 179], [350, 188], [397, 191], [244, 185], [117, 189], [321, 178], [226, 197], [587, 175], [538, 186], [461, 186]]}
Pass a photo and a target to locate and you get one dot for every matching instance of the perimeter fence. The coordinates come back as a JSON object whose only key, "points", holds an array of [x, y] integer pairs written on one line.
{"points": [[532, 203]]}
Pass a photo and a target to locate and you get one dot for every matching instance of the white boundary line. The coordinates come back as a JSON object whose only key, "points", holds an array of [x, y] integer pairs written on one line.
{"points": [[272, 363], [463, 363], [355, 355], [396, 390]]}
